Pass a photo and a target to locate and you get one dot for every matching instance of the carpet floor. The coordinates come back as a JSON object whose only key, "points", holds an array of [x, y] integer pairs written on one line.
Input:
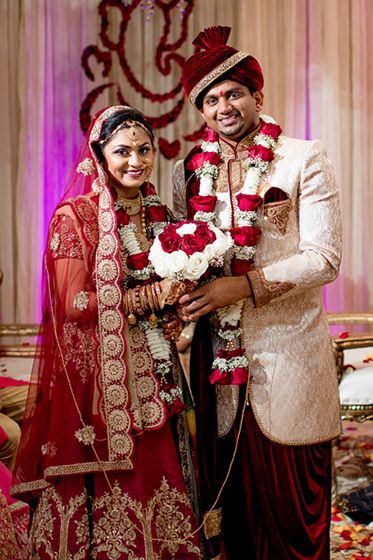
{"points": [[351, 532]]}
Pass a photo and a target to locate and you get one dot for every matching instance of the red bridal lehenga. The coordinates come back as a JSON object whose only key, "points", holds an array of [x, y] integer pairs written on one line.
{"points": [[106, 470]]}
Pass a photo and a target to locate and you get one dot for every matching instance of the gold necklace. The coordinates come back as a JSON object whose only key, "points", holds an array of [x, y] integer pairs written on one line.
{"points": [[130, 205]]}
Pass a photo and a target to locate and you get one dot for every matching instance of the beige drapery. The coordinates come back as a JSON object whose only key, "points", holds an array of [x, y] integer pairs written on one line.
{"points": [[317, 59]]}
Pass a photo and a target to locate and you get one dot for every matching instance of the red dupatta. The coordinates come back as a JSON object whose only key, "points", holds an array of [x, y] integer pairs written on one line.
{"points": [[77, 418]]}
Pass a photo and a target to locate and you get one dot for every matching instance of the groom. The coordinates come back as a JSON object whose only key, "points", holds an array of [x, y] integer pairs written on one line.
{"points": [[286, 230]]}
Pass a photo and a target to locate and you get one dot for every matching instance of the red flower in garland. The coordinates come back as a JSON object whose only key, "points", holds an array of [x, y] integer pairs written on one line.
{"points": [[248, 202], [122, 217], [138, 261], [209, 135], [157, 213], [177, 405], [199, 159], [271, 129], [237, 376], [239, 267], [148, 190], [245, 235], [203, 203], [265, 154]]}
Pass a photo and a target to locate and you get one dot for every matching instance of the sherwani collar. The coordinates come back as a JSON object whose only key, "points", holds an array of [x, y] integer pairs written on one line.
{"points": [[234, 149]]}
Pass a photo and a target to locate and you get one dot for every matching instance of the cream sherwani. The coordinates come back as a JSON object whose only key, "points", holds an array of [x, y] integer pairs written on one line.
{"points": [[293, 388]]}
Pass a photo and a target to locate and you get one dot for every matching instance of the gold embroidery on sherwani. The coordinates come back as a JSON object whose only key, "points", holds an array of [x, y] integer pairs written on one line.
{"points": [[278, 214], [264, 290], [212, 524]]}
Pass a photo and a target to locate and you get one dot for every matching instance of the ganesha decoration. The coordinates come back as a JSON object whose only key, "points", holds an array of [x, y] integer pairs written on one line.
{"points": [[166, 56]]}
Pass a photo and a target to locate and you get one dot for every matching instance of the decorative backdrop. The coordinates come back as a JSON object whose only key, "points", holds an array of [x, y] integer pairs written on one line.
{"points": [[62, 61]]}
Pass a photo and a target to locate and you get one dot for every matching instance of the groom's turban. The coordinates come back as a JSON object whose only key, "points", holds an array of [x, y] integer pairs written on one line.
{"points": [[217, 62]]}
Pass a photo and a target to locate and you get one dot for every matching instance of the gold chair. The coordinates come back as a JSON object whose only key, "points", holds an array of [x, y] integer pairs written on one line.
{"points": [[17, 348], [355, 385]]}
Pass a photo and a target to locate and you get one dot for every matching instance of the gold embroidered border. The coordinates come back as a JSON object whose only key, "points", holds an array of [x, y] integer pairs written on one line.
{"points": [[79, 468], [218, 71], [278, 214], [212, 523], [112, 346], [264, 290]]}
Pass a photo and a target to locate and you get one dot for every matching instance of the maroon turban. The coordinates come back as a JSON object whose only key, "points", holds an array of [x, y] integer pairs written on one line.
{"points": [[218, 61]]}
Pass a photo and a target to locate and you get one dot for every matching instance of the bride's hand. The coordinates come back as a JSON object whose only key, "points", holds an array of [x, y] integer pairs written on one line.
{"points": [[172, 326]]}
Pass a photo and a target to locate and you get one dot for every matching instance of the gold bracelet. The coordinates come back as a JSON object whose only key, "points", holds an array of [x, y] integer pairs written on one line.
{"points": [[136, 301], [131, 317], [153, 318], [158, 291], [143, 299], [154, 296], [125, 304]]}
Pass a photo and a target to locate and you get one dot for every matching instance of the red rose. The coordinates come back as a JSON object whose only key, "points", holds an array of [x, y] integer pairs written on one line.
{"points": [[122, 217], [157, 213], [263, 153], [239, 376], [220, 378], [177, 405], [209, 135], [175, 408], [203, 203], [202, 157], [204, 231], [271, 129], [170, 239], [237, 352], [192, 244], [245, 235], [239, 267], [139, 261], [248, 202], [148, 190]]}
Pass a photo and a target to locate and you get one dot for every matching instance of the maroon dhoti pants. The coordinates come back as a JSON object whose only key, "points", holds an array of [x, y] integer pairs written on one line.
{"points": [[277, 502]]}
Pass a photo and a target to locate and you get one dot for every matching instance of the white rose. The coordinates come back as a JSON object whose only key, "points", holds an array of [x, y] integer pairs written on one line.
{"points": [[221, 244], [159, 259], [178, 261], [198, 264], [161, 266], [156, 252], [186, 228], [210, 252]]}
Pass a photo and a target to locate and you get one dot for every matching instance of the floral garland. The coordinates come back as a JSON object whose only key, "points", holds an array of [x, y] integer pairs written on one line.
{"points": [[140, 269], [138, 261], [231, 362]]}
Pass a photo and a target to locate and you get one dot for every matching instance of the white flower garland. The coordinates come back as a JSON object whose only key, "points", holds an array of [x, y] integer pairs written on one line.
{"points": [[229, 316]]}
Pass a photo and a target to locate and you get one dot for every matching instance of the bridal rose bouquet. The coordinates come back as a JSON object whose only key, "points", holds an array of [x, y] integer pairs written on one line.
{"points": [[184, 251]]}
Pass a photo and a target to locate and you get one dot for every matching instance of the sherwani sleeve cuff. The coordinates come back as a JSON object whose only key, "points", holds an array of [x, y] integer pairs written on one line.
{"points": [[263, 290]]}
